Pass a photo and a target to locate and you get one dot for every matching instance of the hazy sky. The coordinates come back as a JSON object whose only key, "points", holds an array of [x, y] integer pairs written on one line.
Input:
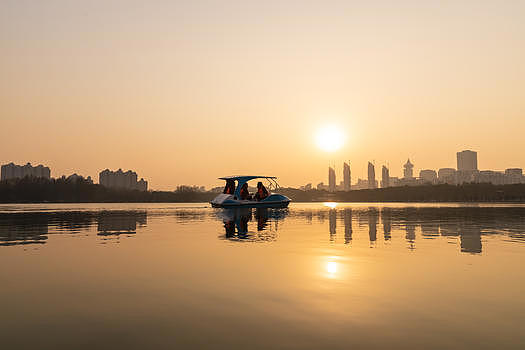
{"points": [[185, 92]]}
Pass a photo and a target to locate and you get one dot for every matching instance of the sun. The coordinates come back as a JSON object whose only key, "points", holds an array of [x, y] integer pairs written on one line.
{"points": [[330, 138]]}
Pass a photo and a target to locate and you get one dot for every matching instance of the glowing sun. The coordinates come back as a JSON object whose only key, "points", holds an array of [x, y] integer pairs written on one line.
{"points": [[330, 138]]}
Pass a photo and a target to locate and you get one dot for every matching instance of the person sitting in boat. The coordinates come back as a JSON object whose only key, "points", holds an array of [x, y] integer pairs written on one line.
{"points": [[262, 192], [230, 187], [245, 194]]}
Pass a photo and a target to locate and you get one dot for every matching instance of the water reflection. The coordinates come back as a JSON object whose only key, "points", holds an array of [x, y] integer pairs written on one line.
{"points": [[347, 220], [117, 223], [237, 228], [35, 227], [469, 224], [16, 229], [464, 226], [386, 218]]}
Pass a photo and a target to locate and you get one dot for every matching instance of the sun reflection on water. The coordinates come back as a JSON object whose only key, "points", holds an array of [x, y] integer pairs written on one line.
{"points": [[331, 267], [330, 205]]}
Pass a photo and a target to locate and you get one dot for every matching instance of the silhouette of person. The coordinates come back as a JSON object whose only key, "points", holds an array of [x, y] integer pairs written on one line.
{"points": [[262, 192], [245, 194], [230, 187]]}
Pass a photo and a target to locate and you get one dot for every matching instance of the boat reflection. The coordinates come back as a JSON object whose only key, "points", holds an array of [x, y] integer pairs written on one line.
{"points": [[236, 223]]}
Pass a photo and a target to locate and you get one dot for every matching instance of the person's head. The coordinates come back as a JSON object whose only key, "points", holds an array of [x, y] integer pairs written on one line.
{"points": [[245, 186], [259, 184]]}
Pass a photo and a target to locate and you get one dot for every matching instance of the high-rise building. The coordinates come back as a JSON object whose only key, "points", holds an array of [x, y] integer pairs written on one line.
{"points": [[408, 170], [13, 171], [467, 160], [347, 177], [371, 176], [122, 180], [385, 177], [331, 179]]}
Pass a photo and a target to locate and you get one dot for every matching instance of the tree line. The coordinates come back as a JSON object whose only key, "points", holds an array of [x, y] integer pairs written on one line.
{"points": [[40, 190]]}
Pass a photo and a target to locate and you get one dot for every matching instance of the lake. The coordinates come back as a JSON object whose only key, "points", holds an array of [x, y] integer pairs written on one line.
{"points": [[313, 276]]}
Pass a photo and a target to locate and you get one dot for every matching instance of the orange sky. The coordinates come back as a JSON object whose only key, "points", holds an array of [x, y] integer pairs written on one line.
{"points": [[186, 92]]}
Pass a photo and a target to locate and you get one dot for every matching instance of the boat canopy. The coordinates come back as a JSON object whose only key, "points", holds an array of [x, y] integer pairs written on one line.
{"points": [[242, 179], [245, 178]]}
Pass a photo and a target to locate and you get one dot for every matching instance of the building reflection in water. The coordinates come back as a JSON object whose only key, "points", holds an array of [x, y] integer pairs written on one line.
{"points": [[347, 212], [372, 224], [117, 223], [23, 228], [332, 224], [470, 238], [468, 224], [386, 219], [35, 228]]}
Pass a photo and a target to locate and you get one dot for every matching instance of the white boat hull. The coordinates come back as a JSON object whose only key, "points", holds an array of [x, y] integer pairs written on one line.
{"points": [[274, 200]]}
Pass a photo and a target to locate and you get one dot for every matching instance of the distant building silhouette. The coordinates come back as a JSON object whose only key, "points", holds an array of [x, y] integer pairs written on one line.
{"points": [[306, 187], [447, 175], [75, 177], [331, 179], [467, 160], [347, 177], [122, 180], [385, 177], [321, 186], [13, 171], [361, 184], [467, 172], [493, 177], [513, 176], [371, 176], [428, 176], [408, 170]]}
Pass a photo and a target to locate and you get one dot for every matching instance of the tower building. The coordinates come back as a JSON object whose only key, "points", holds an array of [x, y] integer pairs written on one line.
{"points": [[347, 177], [371, 176], [385, 177], [467, 160], [331, 179], [408, 170]]}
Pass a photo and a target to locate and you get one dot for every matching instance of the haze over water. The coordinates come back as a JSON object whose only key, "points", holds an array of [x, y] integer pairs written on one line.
{"points": [[313, 276]]}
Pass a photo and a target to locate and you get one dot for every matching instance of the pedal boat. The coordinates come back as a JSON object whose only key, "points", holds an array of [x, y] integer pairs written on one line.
{"points": [[274, 200]]}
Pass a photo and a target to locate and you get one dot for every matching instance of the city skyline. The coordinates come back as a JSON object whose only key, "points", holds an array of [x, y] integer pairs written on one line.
{"points": [[467, 171]]}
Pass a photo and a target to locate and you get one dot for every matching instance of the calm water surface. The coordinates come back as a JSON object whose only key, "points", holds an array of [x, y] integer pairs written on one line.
{"points": [[314, 276]]}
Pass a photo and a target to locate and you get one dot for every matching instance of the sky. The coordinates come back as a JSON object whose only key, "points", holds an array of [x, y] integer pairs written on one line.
{"points": [[185, 92]]}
